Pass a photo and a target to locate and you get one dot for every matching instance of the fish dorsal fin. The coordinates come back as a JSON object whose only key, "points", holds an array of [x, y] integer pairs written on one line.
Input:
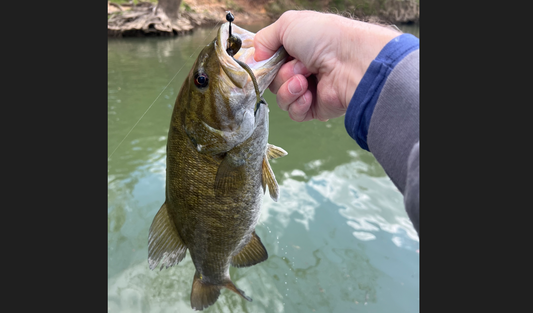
{"points": [[254, 252], [274, 152], [270, 180], [203, 294], [164, 242]]}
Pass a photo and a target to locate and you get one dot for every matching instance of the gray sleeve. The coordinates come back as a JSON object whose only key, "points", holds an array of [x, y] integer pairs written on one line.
{"points": [[394, 127], [412, 187]]}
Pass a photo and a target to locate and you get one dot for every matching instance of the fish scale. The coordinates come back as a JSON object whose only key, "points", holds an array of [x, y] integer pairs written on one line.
{"points": [[217, 168]]}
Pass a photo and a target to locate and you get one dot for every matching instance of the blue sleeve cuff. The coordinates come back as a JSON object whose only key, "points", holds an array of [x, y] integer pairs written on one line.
{"points": [[365, 97]]}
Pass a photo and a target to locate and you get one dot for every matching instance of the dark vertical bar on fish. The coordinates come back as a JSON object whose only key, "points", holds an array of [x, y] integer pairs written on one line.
{"points": [[217, 167]]}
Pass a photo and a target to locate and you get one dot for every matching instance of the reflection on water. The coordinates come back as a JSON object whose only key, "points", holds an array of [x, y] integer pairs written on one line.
{"points": [[338, 240], [335, 242]]}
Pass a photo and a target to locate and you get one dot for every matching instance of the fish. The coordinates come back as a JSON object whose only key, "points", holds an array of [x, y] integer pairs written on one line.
{"points": [[217, 167]]}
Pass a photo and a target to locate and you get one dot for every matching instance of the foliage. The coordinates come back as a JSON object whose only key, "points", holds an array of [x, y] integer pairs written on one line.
{"points": [[134, 1], [359, 8], [234, 6], [186, 7]]}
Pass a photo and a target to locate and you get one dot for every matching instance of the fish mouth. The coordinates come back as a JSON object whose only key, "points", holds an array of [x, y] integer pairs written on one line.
{"points": [[264, 71]]}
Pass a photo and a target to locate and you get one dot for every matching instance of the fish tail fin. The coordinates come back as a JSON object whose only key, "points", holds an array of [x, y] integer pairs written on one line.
{"points": [[203, 294], [164, 242], [231, 286]]}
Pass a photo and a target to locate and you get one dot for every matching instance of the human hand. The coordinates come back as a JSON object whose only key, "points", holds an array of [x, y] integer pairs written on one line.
{"points": [[331, 54]]}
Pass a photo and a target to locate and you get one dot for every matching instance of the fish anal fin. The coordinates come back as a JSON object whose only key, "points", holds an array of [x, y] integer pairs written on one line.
{"points": [[270, 180], [203, 294], [254, 252], [274, 152], [230, 175], [164, 243]]}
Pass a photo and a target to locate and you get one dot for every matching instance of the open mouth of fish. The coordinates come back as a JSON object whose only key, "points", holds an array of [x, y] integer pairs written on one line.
{"points": [[264, 71]]}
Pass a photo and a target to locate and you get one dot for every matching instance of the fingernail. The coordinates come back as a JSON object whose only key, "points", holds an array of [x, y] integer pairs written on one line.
{"points": [[299, 68], [301, 100], [295, 87]]}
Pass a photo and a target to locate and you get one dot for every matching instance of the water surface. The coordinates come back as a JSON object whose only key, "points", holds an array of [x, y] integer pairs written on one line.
{"points": [[338, 239]]}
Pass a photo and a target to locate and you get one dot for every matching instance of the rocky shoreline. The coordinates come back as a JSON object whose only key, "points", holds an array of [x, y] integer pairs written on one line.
{"points": [[145, 19]]}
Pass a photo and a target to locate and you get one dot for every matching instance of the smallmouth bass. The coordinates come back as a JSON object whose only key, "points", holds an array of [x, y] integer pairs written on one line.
{"points": [[217, 167]]}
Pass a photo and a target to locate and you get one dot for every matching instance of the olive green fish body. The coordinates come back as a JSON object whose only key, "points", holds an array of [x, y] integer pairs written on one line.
{"points": [[214, 226], [217, 169]]}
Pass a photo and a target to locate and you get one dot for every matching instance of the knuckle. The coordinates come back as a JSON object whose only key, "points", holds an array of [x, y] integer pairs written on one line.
{"points": [[288, 15]]}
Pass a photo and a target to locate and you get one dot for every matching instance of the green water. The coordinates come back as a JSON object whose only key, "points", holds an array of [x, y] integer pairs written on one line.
{"points": [[338, 239]]}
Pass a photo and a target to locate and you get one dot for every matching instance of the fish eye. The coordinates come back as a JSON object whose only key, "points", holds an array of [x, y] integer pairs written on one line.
{"points": [[201, 80]]}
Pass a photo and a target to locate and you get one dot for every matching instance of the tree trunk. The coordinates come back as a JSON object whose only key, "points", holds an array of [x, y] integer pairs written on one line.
{"points": [[170, 7]]}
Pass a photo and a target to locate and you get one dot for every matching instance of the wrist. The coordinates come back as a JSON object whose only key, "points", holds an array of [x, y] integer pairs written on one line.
{"points": [[363, 44], [361, 106]]}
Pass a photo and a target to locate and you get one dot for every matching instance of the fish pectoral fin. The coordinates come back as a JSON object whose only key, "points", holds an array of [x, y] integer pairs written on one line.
{"points": [[254, 252], [164, 242], [274, 152], [270, 180], [203, 294], [230, 175]]}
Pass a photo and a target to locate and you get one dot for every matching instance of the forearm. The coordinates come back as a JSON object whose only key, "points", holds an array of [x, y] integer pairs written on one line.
{"points": [[383, 116], [412, 187], [393, 135], [394, 125]]}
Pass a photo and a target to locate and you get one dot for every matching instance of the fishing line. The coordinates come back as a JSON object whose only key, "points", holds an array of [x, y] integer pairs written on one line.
{"points": [[234, 45], [200, 45]]}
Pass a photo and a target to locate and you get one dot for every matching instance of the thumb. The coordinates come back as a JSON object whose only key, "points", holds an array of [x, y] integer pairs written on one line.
{"points": [[267, 41]]}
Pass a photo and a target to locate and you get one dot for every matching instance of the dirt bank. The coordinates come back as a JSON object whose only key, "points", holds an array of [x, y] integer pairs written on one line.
{"points": [[144, 19]]}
